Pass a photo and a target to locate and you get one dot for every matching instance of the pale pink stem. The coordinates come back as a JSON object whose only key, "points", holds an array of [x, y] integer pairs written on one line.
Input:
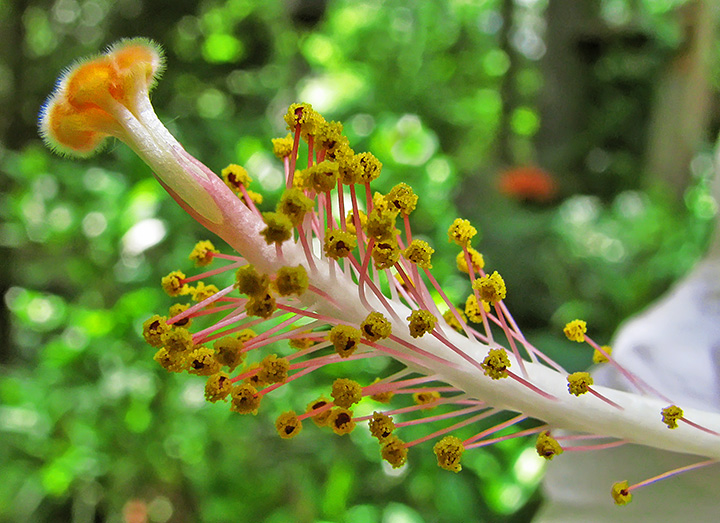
{"points": [[332, 358], [311, 141], [200, 337], [451, 428], [672, 473], [408, 233], [248, 201], [213, 272], [403, 356], [299, 374], [420, 351], [447, 301], [293, 157], [207, 312], [606, 400], [472, 361], [633, 378], [530, 386], [378, 388], [356, 219], [493, 430], [288, 178], [414, 408], [341, 205], [201, 305], [323, 294], [511, 340], [439, 417], [315, 412], [699, 427], [260, 338], [239, 328], [306, 249], [492, 441], [230, 257], [368, 198], [427, 389], [599, 446]]}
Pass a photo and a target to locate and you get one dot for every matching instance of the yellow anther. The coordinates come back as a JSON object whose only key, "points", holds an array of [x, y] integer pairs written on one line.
{"points": [[202, 292], [295, 205], [419, 252], [246, 335], [292, 280], [381, 425], [288, 425], [449, 451], [345, 339], [579, 383], [329, 137], [385, 254], [476, 259], [171, 361], [217, 387], [304, 115], [244, 399], [153, 329], [301, 343], [382, 397], [381, 224], [255, 197], [249, 281], [575, 330], [339, 244], [393, 451], [496, 364], [278, 228], [402, 198], [174, 284], [340, 421], [599, 357], [282, 147], [346, 393], [235, 177], [320, 419], [273, 369], [322, 177], [350, 221], [547, 447], [620, 493], [450, 319], [263, 306], [370, 167], [461, 232], [177, 340], [491, 288], [179, 308], [427, 398], [349, 169], [473, 311], [421, 322], [376, 327], [202, 253], [671, 415], [202, 362], [228, 352]]}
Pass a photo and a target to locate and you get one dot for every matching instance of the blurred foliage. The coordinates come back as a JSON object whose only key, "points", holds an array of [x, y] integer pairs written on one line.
{"points": [[91, 430]]}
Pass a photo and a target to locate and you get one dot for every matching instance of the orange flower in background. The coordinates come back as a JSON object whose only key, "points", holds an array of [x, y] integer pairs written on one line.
{"points": [[528, 183]]}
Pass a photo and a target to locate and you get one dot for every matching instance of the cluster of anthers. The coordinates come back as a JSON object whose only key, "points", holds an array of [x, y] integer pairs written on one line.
{"points": [[335, 274]]}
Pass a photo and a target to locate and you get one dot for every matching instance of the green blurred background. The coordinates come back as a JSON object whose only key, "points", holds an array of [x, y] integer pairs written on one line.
{"points": [[576, 134]]}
